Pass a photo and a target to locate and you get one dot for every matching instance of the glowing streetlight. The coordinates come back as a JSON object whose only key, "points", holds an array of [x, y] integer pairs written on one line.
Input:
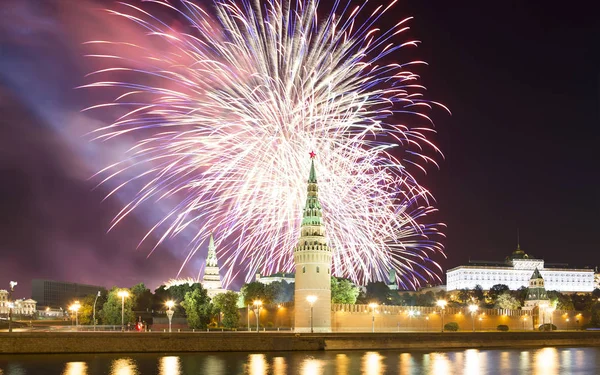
{"points": [[75, 308], [10, 304], [123, 294], [442, 305], [524, 320], [426, 323], [473, 309], [95, 300], [258, 304], [373, 306], [170, 304], [311, 300]]}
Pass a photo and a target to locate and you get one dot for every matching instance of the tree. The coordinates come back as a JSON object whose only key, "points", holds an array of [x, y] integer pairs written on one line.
{"points": [[377, 292], [561, 301], [427, 299], [280, 291], [198, 308], [256, 291], [478, 293], [111, 310], [343, 291], [506, 301], [226, 303], [86, 311], [142, 297], [520, 294], [495, 291], [464, 296]]}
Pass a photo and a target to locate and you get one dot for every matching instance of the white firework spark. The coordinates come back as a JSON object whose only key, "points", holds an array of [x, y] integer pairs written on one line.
{"points": [[227, 111]]}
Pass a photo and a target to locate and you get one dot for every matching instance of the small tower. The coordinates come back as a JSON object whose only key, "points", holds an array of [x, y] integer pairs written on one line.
{"points": [[537, 299], [212, 279], [312, 258]]}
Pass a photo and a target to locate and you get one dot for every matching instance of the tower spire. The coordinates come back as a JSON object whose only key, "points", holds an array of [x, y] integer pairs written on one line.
{"points": [[518, 242], [312, 258], [212, 277]]}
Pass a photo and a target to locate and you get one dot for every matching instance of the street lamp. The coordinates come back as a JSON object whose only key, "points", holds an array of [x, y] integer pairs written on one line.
{"points": [[373, 306], [95, 300], [123, 294], [426, 323], [473, 309], [311, 300], [10, 304], [524, 320], [258, 304], [442, 305], [75, 307], [170, 304]]}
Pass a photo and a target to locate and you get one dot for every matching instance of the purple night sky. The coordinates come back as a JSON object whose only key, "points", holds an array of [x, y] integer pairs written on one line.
{"points": [[522, 82]]}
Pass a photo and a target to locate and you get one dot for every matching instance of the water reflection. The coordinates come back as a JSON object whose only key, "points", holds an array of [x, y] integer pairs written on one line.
{"points": [[371, 363], [472, 363], [406, 364], [311, 366], [279, 366], [257, 364], [546, 362], [169, 366], [341, 364], [74, 368], [123, 366], [440, 363]]}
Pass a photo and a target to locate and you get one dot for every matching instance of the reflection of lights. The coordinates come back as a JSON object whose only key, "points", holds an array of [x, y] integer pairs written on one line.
{"points": [[123, 366], [407, 364], [472, 362], [371, 364], [258, 364], [279, 366], [441, 364], [311, 366], [546, 361], [341, 364], [74, 368], [169, 366]]}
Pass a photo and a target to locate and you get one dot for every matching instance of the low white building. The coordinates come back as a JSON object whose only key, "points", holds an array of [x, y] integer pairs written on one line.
{"points": [[276, 277], [19, 306], [516, 272]]}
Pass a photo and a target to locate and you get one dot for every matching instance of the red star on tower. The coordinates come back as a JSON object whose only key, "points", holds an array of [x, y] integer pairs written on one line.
{"points": [[312, 154]]}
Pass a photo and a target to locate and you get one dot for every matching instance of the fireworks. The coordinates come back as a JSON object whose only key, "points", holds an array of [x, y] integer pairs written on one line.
{"points": [[226, 108]]}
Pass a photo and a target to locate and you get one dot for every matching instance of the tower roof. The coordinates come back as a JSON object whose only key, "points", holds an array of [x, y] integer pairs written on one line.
{"points": [[312, 178], [536, 275]]}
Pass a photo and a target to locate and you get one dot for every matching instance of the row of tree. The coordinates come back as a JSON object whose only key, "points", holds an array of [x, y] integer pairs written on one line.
{"points": [[192, 301]]}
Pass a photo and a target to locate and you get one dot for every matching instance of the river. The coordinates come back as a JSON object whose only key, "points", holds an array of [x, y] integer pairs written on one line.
{"points": [[542, 361]]}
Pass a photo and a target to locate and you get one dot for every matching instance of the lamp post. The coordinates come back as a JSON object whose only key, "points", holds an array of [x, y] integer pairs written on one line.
{"points": [[75, 307], [442, 305], [311, 300], [426, 323], [373, 306], [473, 309], [95, 300], [524, 320], [10, 304], [258, 304], [170, 304], [248, 316], [123, 294]]}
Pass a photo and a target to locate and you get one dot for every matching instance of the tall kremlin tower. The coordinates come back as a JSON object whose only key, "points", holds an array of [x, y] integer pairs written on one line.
{"points": [[312, 257]]}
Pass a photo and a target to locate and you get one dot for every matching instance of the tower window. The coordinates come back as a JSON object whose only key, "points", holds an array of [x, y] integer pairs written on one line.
{"points": [[303, 269], [317, 269]]}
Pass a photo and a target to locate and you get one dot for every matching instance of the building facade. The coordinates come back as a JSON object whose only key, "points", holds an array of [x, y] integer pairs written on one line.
{"points": [[312, 258], [55, 294], [276, 277], [516, 272], [19, 306], [211, 280]]}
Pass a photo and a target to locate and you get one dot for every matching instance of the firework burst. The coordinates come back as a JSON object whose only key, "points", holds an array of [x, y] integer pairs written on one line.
{"points": [[226, 110]]}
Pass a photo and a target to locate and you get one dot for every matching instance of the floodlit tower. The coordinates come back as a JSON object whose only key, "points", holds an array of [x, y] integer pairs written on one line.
{"points": [[312, 258], [212, 278]]}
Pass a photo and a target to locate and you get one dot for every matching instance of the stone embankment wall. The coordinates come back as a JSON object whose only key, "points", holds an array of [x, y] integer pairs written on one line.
{"points": [[102, 342]]}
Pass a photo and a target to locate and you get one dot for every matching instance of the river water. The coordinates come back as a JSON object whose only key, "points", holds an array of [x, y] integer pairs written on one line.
{"points": [[543, 361]]}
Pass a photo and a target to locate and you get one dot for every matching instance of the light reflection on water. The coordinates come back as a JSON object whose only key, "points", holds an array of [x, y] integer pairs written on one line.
{"points": [[546, 361]]}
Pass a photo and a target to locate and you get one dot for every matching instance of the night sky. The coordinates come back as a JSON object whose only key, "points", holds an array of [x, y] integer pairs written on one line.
{"points": [[521, 79]]}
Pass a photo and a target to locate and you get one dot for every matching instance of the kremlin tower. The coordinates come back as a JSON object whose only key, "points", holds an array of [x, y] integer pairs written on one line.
{"points": [[312, 258]]}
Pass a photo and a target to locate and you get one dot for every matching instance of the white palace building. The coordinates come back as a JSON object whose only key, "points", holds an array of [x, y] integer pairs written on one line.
{"points": [[516, 271]]}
